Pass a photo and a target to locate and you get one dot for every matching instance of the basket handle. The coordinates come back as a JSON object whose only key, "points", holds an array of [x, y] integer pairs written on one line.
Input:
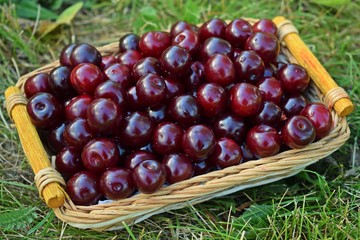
{"points": [[47, 179], [335, 96]]}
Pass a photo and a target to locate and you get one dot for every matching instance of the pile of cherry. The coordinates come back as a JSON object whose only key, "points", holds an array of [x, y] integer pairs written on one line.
{"points": [[171, 105]]}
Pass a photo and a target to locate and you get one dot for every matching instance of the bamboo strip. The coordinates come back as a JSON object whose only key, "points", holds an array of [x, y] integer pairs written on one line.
{"points": [[52, 193], [317, 72]]}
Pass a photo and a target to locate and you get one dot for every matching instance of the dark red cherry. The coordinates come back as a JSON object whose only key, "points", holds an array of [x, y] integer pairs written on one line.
{"points": [[293, 104], [247, 154], [220, 69], [294, 78], [179, 27], [189, 40], [320, 116], [231, 126], [107, 61], [149, 176], [113, 91], [237, 32], [263, 141], [55, 138], [151, 90], [226, 153], [269, 115], [174, 88], [136, 129], [145, 66], [298, 132], [129, 58], [77, 107], [45, 110], [195, 77], [65, 55], [68, 162], [167, 138], [264, 44], [152, 44], [212, 99], [86, 77], [120, 74], [136, 157], [85, 53], [265, 25], [133, 103], [202, 167], [77, 133], [117, 183], [178, 167], [270, 89], [212, 28], [60, 84], [129, 41], [184, 109], [100, 154], [36, 84], [104, 116], [249, 66], [198, 142], [158, 113], [175, 61], [245, 100], [213, 46], [83, 188]]}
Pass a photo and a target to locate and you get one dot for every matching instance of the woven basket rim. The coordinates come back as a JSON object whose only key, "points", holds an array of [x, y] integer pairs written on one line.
{"points": [[111, 216]]}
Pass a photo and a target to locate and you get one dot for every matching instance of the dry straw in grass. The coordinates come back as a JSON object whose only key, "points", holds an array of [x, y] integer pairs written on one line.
{"points": [[113, 215]]}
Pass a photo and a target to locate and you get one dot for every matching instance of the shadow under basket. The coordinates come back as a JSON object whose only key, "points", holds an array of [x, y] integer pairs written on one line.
{"points": [[113, 215]]}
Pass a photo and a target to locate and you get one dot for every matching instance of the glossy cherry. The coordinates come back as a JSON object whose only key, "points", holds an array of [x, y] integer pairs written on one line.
{"points": [[212, 99], [237, 32], [86, 77], [179, 27], [83, 188], [198, 142], [136, 157], [55, 138], [293, 104], [158, 113], [36, 84], [202, 167], [136, 130], [117, 183], [60, 84], [195, 77], [85, 53], [77, 107], [133, 102], [151, 90], [149, 176], [265, 25], [245, 100], [266, 45], [178, 167], [152, 44], [100, 154], [249, 66], [129, 58], [220, 69], [298, 132], [45, 110], [77, 133], [271, 89], [174, 88], [175, 61], [226, 153], [212, 28], [213, 46], [184, 109], [113, 91], [65, 54], [294, 78], [263, 141], [269, 115], [107, 61], [189, 40], [231, 126], [145, 66], [68, 162], [167, 138], [120, 74], [129, 41], [320, 116]]}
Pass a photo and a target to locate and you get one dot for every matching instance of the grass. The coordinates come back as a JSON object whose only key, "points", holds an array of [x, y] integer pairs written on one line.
{"points": [[321, 202]]}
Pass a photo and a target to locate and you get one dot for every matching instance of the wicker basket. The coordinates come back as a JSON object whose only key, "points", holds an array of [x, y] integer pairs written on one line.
{"points": [[111, 216]]}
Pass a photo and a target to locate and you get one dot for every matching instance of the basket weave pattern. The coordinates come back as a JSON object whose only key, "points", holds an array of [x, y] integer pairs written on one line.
{"points": [[110, 216]]}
